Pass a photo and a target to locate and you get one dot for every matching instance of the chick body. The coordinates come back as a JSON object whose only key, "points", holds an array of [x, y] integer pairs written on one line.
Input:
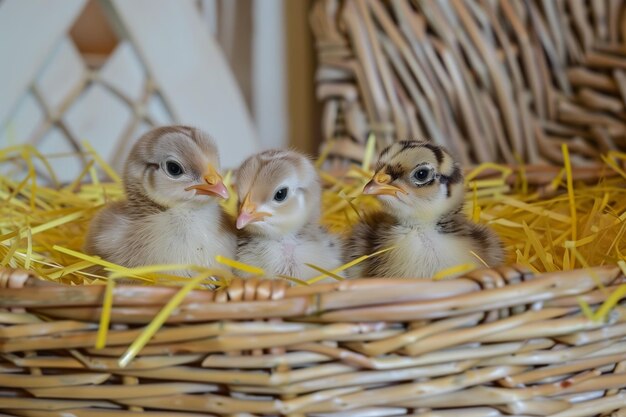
{"points": [[166, 219], [289, 255], [279, 216], [421, 190]]}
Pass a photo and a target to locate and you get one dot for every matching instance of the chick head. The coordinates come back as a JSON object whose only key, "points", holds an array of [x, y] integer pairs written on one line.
{"points": [[279, 193], [417, 181], [173, 165]]}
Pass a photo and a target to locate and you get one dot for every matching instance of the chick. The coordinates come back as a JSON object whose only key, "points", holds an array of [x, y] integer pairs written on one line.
{"points": [[280, 194], [421, 190], [171, 213]]}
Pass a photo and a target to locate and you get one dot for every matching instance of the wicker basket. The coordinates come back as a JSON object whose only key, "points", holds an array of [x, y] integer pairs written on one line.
{"points": [[494, 342], [493, 80]]}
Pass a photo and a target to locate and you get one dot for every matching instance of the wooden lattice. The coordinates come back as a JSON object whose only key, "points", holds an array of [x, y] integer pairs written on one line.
{"points": [[166, 68], [493, 80], [69, 102]]}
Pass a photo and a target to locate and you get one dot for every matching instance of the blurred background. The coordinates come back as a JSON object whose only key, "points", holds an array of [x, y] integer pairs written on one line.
{"points": [[494, 81], [106, 71]]}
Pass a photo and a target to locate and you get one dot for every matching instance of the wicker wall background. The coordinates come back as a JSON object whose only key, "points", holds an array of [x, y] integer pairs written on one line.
{"points": [[493, 80]]}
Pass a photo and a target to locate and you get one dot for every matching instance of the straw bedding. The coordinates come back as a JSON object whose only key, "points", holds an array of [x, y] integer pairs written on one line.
{"points": [[544, 337]]}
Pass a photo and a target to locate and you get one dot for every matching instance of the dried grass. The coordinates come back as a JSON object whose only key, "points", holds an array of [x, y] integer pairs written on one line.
{"points": [[563, 226]]}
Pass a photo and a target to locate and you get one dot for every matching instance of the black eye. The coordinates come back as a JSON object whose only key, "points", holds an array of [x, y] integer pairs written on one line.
{"points": [[174, 169], [422, 175], [281, 194]]}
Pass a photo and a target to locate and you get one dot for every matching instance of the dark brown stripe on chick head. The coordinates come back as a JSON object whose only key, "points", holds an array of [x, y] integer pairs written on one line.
{"points": [[439, 154], [395, 171], [384, 152], [455, 177]]}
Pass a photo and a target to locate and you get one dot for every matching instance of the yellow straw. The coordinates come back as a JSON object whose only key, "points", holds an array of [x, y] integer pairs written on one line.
{"points": [[614, 298], [10, 252], [57, 222], [328, 145], [105, 167], [44, 160], [348, 265], [70, 269], [239, 265], [95, 260], [506, 171], [454, 270], [324, 271], [94, 175], [570, 194], [294, 279], [479, 258], [610, 162], [150, 269], [158, 321], [80, 176], [585, 308], [368, 156], [29, 249], [105, 316]]}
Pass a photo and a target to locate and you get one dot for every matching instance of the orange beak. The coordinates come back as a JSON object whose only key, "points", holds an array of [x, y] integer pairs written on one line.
{"points": [[379, 185], [214, 185], [248, 213]]}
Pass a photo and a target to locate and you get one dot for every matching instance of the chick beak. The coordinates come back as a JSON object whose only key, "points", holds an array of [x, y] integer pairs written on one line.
{"points": [[379, 185], [248, 214], [214, 185]]}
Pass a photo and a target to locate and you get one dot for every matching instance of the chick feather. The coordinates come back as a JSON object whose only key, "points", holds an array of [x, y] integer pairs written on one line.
{"points": [[279, 192], [166, 218], [421, 190]]}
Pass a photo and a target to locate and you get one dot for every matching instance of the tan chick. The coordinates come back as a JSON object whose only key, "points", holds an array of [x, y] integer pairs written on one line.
{"points": [[421, 190], [171, 212], [279, 192]]}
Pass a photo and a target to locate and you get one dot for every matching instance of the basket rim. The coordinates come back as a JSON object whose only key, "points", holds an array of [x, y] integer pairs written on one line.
{"points": [[357, 300]]}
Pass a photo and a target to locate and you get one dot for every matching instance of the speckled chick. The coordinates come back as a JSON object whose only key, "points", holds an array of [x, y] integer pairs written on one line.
{"points": [[421, 190], [171, 212], [279, 193]]}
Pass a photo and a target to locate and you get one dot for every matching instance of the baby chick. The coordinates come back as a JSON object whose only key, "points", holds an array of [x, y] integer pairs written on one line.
{"points": [[280, 194], [421, 190], [171, 214]]}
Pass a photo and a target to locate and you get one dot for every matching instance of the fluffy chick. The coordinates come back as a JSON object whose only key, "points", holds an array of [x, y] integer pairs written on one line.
{"points": [[421, 190], [171, 213], [280, 194]]}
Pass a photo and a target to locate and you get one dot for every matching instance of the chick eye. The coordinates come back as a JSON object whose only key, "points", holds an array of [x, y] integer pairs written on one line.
{"points": [[423, 175], [281, 194], [174, 169]]}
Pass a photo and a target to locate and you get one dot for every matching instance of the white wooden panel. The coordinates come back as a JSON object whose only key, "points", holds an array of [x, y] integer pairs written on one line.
{"points": [[124, 72], [61, 75], [191, 72], [21, 125], [29, 29], [208, 9], [99, 117], [158, 111], [269, 74], [125, 146], [54, 144]]}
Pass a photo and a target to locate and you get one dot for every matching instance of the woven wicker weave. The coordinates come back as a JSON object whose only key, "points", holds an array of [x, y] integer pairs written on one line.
{"points": [[495, 342], [493, 80]]}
